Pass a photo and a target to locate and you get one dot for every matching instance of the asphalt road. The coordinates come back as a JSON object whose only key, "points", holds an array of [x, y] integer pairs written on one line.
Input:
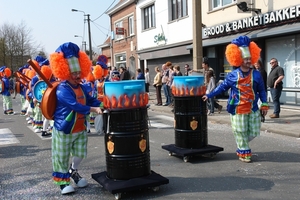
{"points": [[25, 169]]}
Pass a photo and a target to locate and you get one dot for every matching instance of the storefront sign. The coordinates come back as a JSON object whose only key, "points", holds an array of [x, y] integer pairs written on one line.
{"points": [[160, 38], [251, 22]]}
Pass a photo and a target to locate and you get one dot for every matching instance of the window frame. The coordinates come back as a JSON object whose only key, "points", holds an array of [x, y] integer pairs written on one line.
{"points": [[148, 16], [131, 25], [119, 24], [181, 7], [213, 7]]}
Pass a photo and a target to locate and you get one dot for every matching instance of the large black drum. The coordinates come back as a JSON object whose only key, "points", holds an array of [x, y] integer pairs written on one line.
{"points": [[127, 143], [190, 122]]}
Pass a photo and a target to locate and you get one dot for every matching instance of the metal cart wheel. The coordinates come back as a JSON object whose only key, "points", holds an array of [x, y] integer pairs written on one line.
{"points": [[185, 159], [118, 196], [155, 189]]}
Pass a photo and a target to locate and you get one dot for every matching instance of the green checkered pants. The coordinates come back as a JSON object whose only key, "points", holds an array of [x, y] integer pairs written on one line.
{"points": [[7, 103], [245, 128], [66, 145]]}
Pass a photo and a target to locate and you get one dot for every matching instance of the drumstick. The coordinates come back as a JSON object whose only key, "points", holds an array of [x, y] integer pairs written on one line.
{"points": [[19, 74], [30, 62]]}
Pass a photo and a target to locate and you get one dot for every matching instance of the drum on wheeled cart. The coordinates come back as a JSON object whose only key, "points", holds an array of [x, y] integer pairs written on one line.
{"points": [[190, 115], [126, 139]]}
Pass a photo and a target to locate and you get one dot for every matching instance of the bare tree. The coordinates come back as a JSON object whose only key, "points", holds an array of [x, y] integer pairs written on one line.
{"points": [[17, 45]]}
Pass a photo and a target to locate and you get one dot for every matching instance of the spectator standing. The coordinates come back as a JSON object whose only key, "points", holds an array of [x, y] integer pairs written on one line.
{"points": [[147, 80], [165, 80], [275, 83], [124, 74], [187, 69], [177, 70], [157, 83], [259, 67], [210, 85], [140, 75]]}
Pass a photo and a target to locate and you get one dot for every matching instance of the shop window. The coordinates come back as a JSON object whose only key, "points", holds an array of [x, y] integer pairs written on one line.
{"points": [[216, 4], [179, 9], [148, 17]]}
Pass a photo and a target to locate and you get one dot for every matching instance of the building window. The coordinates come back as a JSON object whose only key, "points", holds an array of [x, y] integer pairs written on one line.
{"points": [[120, 60], [119, 25], [131, 25], [179, 9], [220, 3], [149, 17]]}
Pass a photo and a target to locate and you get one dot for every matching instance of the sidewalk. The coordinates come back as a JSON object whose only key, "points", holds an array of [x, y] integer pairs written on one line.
{"points": [[288, 124]]}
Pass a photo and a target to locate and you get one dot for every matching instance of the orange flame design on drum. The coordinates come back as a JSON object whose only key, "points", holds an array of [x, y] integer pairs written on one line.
{"points": [[120, 102], [192, 91], [113, 102], [141, 96], [185, 91], [134, 100], [127, 101]]}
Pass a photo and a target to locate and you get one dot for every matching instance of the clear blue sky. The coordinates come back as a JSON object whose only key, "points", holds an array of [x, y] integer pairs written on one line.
{"points": [[52, 22]]}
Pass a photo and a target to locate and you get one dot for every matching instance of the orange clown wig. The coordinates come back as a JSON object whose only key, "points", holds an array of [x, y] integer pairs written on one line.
{"points": [[241, 48], [7, 72], [67, 59]]}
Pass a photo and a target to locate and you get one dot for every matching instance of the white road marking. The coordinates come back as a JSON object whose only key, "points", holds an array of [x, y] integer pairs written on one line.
{"points": [[159, 125], [7, 137]]}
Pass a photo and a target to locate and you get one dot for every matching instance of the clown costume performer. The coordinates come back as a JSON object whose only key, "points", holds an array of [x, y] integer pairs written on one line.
{"points": [[89, 84], [7, 101], [100, 72], [247, 86], [37, 117], [73, 104]]}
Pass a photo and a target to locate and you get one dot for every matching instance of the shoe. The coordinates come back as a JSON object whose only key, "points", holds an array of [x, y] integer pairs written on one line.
{"points": [[274, 116], [5, 113], [78, 180], [28, 118], [165, 104], [208, 112], [38, 130], [29, 121], [11, 113], [262, 119], [45, 134], [89, 131], [158, 104], [66, 189], [246, 160], [220, 108]]}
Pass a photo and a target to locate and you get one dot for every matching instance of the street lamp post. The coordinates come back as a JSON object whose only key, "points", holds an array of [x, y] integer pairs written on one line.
{"points": [[83, 42], [89, 30]]}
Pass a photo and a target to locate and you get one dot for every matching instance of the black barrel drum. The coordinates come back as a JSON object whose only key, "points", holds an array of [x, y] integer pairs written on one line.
{"points": [[190, 122], [190, 112], [127, 134]]}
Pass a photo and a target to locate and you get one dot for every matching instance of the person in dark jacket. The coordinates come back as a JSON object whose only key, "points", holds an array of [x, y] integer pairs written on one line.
{"points": [[140, 75], [124, 74], [259, 67]]}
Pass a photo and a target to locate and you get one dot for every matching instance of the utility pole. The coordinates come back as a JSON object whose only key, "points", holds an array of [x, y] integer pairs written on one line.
{"points": [[197, 35], [90, 39]]}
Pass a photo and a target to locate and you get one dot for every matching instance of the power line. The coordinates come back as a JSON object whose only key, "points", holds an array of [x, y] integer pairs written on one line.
{"points": [[105, 11]]}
